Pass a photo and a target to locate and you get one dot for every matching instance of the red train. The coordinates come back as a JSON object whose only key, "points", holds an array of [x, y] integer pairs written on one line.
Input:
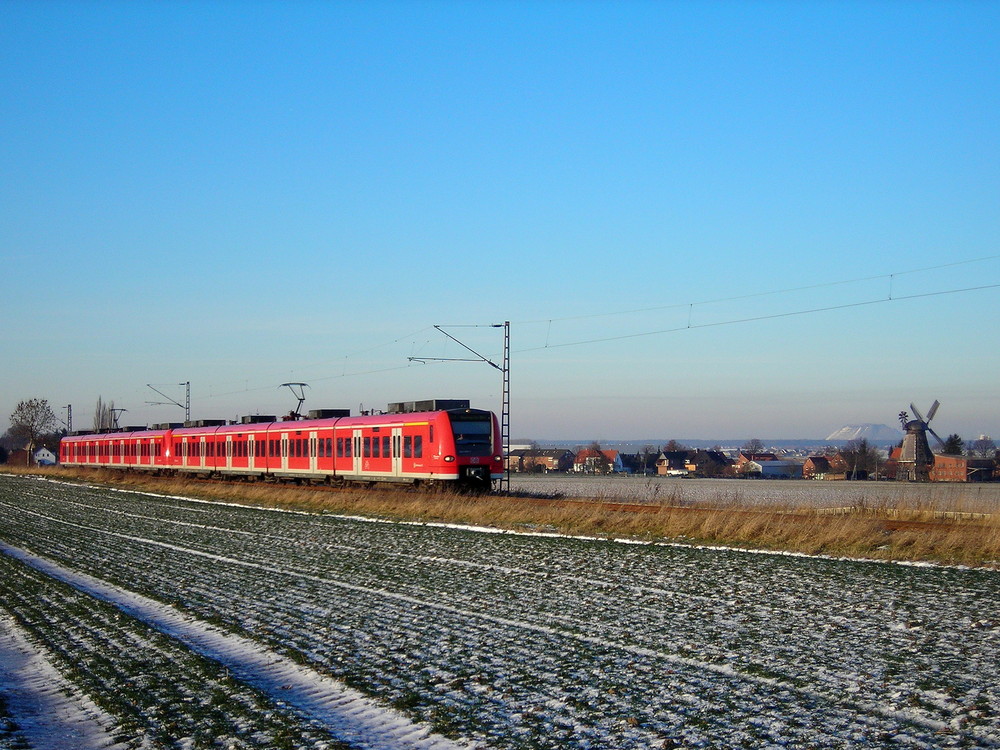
{"points": [[417, 442]]}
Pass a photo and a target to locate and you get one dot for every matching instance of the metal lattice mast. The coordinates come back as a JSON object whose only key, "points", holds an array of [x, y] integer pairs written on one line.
{"points": [[505, 409]]}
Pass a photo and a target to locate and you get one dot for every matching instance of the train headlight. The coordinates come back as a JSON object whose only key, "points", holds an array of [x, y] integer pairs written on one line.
{"points": [[497, 459], [449, 459]]}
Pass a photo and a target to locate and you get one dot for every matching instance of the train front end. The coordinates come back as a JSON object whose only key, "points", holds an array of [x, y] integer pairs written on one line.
{"points": [[478, 450]]}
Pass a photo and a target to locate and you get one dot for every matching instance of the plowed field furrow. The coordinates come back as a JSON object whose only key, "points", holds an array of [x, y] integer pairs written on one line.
{"points": [[552, 642]]}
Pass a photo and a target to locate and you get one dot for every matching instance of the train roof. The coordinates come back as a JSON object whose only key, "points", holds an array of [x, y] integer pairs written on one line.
{"points": [[298, 425]]}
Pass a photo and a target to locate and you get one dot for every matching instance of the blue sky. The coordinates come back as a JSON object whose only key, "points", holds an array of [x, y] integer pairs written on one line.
{"points": [[658, 196]]}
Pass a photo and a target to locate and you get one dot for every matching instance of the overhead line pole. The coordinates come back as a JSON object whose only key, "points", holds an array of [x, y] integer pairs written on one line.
{"points": [[505, 397], [186, 406]]}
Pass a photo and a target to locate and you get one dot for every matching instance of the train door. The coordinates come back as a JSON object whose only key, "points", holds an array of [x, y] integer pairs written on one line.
{"points": [[284, 451], [229, 451], [358, 457], [313, 452], [397, 451], [251, 451]]}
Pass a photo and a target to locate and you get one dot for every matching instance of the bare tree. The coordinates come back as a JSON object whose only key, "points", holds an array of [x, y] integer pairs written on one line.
{"points": [[648, 451], [752, 447], [860, 457], [598, 461], [30, 420], [104, 415], [983, 447]]}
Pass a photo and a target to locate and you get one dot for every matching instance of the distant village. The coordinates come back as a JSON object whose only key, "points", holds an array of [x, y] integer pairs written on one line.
{"points": [[856, 461]]}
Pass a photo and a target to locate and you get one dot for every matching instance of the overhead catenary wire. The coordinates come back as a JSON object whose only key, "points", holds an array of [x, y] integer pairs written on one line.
{"points": [[757, 318], [415, 359], [889, 277]]}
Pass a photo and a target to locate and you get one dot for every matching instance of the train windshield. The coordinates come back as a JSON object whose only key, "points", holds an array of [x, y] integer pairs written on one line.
{"points": [[473, 434]]}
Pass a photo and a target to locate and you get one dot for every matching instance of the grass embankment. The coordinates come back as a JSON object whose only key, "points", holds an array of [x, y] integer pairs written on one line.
{"points": [[884, 532]]}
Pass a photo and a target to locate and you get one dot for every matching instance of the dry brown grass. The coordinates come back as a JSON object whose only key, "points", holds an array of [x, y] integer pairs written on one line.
{"points": [[889, 533]]}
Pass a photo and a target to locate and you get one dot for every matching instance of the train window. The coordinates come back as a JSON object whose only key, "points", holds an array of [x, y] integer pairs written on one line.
{"points": [[386, 451], [368, 447], [408, 447], [418, 446], [344, 447], [473, 435], [432, 434]]}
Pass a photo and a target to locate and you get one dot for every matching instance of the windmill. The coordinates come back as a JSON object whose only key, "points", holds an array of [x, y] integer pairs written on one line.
{"points": [[916, 458]]}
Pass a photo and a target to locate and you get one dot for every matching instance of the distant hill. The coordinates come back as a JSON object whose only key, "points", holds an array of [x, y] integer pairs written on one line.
{"points": [[873, 433]]}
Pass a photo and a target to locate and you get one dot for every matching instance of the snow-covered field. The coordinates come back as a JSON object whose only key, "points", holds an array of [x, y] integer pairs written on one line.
{"points": [[742, 492], [508, 641]]}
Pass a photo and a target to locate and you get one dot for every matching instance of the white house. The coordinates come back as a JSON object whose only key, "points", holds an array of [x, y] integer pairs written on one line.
{"points": [[44, 457]]}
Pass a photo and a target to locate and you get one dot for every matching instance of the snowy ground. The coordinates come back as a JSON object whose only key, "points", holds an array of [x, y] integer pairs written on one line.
{"points": [[504, 640]]}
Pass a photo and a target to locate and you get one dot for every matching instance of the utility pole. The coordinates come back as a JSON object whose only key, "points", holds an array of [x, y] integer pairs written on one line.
{"points": [[505, 409], [505, 397], [69, 418]]}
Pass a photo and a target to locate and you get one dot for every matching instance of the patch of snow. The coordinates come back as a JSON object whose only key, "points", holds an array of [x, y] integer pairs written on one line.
{"points": [[48, 711]]}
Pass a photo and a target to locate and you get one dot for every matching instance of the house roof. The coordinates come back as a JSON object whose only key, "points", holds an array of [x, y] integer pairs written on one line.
{"points": [[586, 453], [542, 452], [760, 456]]}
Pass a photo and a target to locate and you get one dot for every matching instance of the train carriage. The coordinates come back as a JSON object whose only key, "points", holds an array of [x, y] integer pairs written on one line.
{"points": [[413, 445]]}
